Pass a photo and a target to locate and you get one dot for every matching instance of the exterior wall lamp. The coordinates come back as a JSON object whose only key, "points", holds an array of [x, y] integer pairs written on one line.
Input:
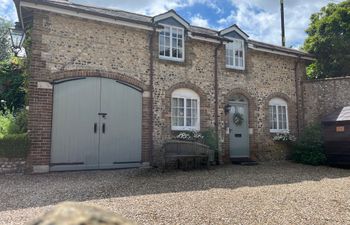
{"points": [[17, 37]]}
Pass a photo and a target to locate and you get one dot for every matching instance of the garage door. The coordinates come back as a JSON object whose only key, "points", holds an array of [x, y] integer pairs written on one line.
{"points": [[96, 125]]}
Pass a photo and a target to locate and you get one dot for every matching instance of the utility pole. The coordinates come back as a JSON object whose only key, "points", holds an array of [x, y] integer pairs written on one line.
{"points": [[282, 24]]}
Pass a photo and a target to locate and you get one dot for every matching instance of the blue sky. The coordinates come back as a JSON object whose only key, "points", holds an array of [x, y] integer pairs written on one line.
{"points": [[260, 19]]}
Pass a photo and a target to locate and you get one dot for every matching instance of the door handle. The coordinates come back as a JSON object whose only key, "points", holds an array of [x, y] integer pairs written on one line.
{"points": [[95, 128], [103, 128]]}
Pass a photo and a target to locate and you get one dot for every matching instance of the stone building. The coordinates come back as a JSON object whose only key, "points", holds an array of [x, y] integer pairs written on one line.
{"points": [[103, 79]]}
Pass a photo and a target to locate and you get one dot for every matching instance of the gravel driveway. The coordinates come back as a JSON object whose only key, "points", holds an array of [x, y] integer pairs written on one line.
{"points": [[270, 193]]}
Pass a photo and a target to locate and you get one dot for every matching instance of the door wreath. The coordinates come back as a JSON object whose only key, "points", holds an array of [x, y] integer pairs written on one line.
{"points": [[238, 118]]}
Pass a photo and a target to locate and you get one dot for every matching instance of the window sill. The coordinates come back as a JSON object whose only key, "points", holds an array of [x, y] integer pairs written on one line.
{"points": [[185, 128], [172, 59], [279, 131], [235, 68]]}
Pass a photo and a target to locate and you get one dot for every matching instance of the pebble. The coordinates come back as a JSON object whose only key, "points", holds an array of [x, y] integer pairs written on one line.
{"points": [[269, 193]]}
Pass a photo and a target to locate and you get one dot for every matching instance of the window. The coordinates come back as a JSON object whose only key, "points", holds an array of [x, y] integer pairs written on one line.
{"points": [[184, 110], [235, 54], [171, 42], [278, 113]]}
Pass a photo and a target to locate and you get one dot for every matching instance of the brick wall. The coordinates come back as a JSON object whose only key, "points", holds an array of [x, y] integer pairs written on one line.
{"points": [[66, 46]]}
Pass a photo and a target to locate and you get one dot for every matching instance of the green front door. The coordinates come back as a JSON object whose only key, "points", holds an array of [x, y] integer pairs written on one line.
{"points": [[239, 128]]}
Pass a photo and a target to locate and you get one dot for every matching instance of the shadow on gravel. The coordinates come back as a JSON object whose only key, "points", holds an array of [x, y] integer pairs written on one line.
{"points": [[23, 191]]}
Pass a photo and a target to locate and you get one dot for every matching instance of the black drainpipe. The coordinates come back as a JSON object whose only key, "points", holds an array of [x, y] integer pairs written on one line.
{"points": [[298, 98], [151, 74], [216, 91]]}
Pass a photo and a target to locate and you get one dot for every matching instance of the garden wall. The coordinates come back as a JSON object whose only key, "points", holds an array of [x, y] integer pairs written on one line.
{"points": [[321, 97], [12, 165]]}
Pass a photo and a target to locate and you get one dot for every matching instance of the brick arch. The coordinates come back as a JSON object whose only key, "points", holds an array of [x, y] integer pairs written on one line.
{"points": [[204, 106], [187, 85], [240, 91], [291, 111], [100, 73], [252, 123], [277, 95]]}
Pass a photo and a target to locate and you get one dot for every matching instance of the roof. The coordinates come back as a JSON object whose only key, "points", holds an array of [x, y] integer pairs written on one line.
{"points": [[342, 114], [278, 48], [144, 20]]}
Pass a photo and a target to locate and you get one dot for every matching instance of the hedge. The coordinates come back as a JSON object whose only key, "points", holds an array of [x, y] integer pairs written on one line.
{"points": [[14, 146]]}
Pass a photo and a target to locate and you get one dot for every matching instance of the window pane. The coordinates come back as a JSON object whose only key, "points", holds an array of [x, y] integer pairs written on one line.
{"points": [[167, 31], [274, 117], [181, 102], [180, 53], [174, 51], [279, 117], [188, 122], [167, 41], [179, 43], [284, 118], [271, 116], [167, 51]]}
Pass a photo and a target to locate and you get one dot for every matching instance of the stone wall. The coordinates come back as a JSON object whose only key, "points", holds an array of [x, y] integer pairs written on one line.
{"points": [[65, 46], [266, 76], [321, 97], [16, 165]]}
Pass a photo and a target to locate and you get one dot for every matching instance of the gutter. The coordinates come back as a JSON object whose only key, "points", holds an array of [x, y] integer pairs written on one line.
{"points": [[216, 93], [297, 88]]}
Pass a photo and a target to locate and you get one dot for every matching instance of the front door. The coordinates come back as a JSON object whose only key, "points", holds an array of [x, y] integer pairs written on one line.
{"points": [[96, 125], [239, 128]]}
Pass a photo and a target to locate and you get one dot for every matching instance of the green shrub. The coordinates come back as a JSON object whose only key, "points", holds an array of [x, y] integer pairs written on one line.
{"points": [[13, 123], [210, 139], [19, 124], [309, 147], [6, 119], [14, 145]]}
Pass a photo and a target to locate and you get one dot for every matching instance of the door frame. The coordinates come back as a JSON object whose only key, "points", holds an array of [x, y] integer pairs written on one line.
{"points": [[130, 83], [251, 121]]}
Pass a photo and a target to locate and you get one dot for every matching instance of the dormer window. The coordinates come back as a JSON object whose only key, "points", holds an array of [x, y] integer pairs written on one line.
{"points": [[171, 43], [235, 54]]}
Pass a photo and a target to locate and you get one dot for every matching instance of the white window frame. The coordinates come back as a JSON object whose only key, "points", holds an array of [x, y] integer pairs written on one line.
{"points": [[228, 48], [275, 102], [185, 94], [171, 44]]}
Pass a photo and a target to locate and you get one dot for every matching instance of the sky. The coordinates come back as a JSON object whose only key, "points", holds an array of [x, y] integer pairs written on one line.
{"points": [[260, 19]]}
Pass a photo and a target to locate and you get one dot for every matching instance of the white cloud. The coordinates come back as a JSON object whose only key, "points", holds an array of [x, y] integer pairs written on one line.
{"points": [[261, 19], [198, 20], [7, 10]]}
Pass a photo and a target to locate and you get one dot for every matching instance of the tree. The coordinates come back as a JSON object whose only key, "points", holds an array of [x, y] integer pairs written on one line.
{"points": [[329, 40], [5, 45], [12, 84]]}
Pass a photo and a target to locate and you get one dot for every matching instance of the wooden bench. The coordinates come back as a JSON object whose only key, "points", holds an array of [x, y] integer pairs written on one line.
{"points": [[185, 154]]}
